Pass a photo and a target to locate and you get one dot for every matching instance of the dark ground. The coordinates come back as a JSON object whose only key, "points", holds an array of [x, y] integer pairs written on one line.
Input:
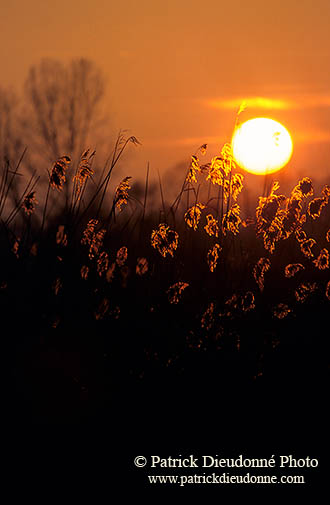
{"points": [[92, 428], [87, 397]]}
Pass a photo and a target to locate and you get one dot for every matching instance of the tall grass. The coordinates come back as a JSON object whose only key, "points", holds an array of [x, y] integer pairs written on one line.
{"points": [[152, 293]]}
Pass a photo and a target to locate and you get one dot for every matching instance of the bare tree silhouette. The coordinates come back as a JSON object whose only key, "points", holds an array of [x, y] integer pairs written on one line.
{"points": [[62, 107], [11, 147], [10, 141]]}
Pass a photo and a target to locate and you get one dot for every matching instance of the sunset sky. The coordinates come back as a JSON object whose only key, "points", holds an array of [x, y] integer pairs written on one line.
{"points": [[177, 70]]}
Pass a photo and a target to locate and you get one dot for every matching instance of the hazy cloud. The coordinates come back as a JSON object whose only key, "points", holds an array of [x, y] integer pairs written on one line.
{"points": [[256, 102], [267, 103]]}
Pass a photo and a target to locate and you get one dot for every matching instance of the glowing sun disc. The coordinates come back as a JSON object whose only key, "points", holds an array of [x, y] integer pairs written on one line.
{"points": [[261, 146]]}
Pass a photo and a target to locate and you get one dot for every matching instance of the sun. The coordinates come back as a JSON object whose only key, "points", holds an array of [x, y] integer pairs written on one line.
{"points": [[261, 146]]}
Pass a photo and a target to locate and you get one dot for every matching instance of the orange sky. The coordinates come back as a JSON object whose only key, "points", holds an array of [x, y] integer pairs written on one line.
{"points": [[176, 69]]}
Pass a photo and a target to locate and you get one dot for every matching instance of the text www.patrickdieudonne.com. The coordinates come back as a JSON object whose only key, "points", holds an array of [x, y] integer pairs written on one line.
{"points": [[252, 470]]}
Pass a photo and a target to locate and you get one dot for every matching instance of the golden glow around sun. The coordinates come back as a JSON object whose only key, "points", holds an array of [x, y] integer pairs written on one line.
{"points": [[261, 146]]}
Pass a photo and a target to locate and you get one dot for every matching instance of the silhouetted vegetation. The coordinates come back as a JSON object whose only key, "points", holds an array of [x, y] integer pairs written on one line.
{"points": [[108, 298]]}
